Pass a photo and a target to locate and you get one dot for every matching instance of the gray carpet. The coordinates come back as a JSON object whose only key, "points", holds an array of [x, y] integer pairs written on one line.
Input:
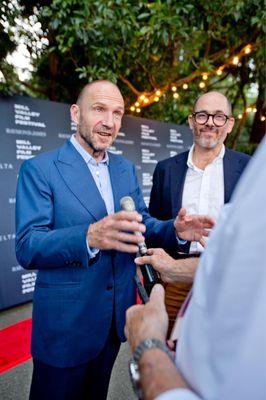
{"points": [[15, 383]]}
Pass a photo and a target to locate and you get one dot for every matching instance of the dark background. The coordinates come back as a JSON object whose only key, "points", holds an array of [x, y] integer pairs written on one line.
{"points": [[29, 127]]}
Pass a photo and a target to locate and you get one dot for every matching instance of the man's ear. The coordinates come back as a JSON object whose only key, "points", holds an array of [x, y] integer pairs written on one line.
{"points": [[190, 122], [231, 123], [74, 112]]}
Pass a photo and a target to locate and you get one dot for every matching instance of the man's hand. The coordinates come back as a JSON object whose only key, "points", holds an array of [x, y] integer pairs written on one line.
{"points": [[159, 260], [111, 232], [158, 373], [192, 227], [147, 321], [170, 270]]}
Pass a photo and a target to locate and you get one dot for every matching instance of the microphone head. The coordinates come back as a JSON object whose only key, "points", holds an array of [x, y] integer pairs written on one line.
{"points": [[127, 203]]}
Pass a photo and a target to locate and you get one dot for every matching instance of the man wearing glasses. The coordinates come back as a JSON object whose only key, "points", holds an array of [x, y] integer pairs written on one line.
{"points": [[200, 180]]}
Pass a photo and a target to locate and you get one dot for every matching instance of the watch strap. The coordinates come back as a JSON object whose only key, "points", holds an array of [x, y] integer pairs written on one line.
{"points": [[151, 343]]}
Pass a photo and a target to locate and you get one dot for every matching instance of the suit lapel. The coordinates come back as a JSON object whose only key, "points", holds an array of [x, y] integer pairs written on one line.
{"points": [[232, 171], [116, 171], [177, 179], [79, 180]]}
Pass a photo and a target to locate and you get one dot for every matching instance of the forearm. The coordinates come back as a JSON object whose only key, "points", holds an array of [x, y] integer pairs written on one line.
{"points": [[184, 270], [158, 374], [171, 270]]}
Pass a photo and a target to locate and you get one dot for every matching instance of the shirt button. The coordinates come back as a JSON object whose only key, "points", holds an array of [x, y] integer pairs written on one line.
{"points": [[109, 287]]}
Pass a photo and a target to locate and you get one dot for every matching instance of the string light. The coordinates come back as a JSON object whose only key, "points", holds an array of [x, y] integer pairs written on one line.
{"points": [[235, 60], [240, 116], [143, 100], [262, 118], [247, 49]]}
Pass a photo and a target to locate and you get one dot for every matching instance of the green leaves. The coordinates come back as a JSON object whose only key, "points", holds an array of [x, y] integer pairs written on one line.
{"points": [[145, 45]]}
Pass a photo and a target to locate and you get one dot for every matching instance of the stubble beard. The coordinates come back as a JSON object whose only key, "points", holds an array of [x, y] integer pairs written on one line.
{"points": [[88, 140], [208, 143]]}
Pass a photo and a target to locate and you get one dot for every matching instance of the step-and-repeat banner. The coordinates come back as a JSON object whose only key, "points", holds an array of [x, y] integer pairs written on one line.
{"points": [[29, 127]]}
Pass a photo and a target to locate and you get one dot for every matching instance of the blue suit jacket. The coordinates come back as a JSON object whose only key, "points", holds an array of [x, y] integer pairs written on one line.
{"points": [[75, 299], [169, 177]]}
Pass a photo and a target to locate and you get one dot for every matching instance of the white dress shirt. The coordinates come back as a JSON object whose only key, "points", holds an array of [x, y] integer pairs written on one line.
{"points": [[203, 191], [222, 348]]}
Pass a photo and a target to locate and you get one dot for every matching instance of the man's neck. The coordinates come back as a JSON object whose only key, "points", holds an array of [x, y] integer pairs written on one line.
{"points": [[202, 157], [98, 155]]}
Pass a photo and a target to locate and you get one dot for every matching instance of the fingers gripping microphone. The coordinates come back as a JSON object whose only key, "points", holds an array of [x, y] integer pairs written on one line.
{"points": [[149, 274]]}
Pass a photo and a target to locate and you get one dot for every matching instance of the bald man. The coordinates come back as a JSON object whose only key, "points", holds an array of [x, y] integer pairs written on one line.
{"points": [[70, 228], [201, 181]]}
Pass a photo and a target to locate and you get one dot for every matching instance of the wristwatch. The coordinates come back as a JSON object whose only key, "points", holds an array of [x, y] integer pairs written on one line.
{"points": [[134, 372]]}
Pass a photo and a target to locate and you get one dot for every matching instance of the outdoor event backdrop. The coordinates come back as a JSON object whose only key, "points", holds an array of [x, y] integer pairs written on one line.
{"points": [[29, 127]]}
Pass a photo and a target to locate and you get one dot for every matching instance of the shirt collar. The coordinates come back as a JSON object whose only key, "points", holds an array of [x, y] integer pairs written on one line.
{"points": [[190, 163], [85, 155]]}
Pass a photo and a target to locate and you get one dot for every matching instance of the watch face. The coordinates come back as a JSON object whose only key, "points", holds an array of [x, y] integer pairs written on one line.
{"points": [[135, 377]]}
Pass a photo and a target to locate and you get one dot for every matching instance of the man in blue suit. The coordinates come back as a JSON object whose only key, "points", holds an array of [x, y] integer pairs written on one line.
{"points": [[200, 180], [70, 228]]}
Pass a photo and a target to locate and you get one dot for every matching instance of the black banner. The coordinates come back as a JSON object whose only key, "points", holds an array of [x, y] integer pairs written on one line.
{"points": [[29, 127]]}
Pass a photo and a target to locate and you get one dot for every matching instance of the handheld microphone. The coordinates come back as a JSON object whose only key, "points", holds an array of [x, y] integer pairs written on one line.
{"points": [[150, 276]]}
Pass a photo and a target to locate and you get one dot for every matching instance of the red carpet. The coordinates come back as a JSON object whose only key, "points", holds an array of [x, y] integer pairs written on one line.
{"points": [[15, 344]]}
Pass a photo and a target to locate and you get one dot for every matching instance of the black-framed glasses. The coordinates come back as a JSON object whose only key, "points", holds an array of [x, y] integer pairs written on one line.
{"points": [[218, 119]]}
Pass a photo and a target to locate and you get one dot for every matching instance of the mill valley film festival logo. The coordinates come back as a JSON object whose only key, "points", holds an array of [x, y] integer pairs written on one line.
{"points": [[25, 149], [28, 282], [24, 116]]}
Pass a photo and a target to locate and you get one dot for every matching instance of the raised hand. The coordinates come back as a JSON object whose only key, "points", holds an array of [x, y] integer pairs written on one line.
{"points": [[170, 270], [192, 227], [121, 231]]}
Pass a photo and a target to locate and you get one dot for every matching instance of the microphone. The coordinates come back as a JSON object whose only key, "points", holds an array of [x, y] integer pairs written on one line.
{"points": [[150, 276]]}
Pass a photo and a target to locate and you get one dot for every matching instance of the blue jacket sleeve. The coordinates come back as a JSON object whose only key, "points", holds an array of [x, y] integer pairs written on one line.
{"points": [[39, 244]]}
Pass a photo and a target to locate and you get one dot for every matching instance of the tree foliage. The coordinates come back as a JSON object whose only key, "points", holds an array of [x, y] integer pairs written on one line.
{"points": [[149, 45]]}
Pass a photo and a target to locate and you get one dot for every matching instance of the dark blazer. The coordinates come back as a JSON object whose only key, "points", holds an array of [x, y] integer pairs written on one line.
{"points": [[169, 177], [75, 299]]}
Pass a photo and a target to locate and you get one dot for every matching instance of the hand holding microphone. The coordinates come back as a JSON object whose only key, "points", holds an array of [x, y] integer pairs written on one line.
{"points": [[149, 274], [121, 231]]}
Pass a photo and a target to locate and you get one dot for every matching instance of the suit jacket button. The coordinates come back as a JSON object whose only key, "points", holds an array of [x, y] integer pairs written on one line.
{"points": [[110, 286]]}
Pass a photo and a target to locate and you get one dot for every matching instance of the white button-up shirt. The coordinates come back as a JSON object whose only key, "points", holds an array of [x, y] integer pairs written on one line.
{"points": [[203, 191]]}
